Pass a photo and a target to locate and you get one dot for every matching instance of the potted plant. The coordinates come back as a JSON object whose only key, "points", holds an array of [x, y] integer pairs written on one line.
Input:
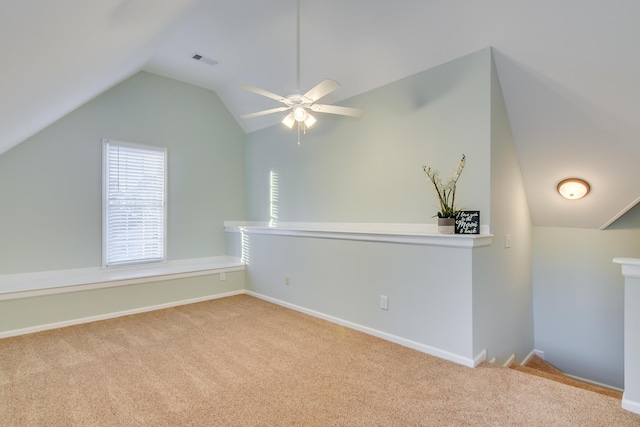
{"points": [[446, 196]]}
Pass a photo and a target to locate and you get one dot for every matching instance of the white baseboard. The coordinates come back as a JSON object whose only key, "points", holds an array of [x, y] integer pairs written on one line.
{"points": [[442, 354], [534, 352], [480, 357], [529, 357], [509, 361], [595, 383], [630, 405], [112, 315]]}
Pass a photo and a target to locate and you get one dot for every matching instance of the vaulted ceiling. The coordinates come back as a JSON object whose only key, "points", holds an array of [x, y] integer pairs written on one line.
{"points": [[568, 70]]}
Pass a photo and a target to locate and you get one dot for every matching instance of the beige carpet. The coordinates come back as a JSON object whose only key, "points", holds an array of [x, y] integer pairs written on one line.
{"points": [[240, 361]]}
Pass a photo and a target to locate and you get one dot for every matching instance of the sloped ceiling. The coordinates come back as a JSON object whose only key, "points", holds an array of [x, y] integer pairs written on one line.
{"points": [[57, 55], [569, 70]]}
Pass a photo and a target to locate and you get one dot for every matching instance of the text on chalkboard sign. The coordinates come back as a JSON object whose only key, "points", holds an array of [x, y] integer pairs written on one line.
{"points": [[468, 222]]}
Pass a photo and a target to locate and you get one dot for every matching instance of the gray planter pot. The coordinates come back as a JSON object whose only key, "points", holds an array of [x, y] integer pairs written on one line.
{"points": [[446, 225]]}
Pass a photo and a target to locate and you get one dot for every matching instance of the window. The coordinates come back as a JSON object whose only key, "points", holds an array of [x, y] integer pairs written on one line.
{"points": [[134, 203]]}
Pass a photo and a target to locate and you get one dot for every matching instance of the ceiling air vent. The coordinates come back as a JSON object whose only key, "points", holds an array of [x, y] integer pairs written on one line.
{"points": [[206, 60]]}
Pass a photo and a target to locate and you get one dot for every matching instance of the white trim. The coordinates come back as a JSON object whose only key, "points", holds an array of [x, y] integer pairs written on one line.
{"points": [[509, 361], [619, 214], [630, 267], [534, 352], [24, 285], [480, 357], [630, 405], [414, 234], [442, 354], [113, 315], [595, 383]]}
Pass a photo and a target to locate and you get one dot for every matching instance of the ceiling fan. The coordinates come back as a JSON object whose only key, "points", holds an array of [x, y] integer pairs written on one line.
{"points": [[301, 104]]}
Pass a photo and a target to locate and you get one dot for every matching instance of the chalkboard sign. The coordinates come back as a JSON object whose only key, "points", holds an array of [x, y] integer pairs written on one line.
{"points": [[468, 222]]}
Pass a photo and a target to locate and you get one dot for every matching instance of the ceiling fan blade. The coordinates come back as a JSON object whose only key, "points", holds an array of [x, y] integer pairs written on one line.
{"points": [[336, 109], [264, 93], [265, 112], [323, 88]]}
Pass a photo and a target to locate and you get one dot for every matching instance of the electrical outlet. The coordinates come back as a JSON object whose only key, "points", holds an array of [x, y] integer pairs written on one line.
{"points": [[384, 302], [223, 276], [287, 280]]}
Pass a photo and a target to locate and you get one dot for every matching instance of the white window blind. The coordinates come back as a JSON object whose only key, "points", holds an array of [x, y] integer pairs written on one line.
{"points": [[134, 192]]}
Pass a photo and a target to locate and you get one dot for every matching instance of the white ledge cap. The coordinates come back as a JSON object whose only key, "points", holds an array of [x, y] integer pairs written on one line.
{"points": [[23, 285], [414, 234], [630, 267]]}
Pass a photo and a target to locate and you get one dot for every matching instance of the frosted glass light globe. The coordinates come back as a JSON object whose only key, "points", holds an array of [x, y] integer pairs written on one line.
{"points": [[573, 188]]}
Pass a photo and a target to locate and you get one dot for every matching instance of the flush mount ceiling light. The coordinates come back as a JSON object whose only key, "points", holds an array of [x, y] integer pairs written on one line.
{"points": [[573, 188]]}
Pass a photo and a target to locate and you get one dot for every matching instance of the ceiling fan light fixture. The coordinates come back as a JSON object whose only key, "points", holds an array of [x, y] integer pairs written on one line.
{"points": [[300, 114], [573, 188], [289, 120], [302, 104], [309, 121]]}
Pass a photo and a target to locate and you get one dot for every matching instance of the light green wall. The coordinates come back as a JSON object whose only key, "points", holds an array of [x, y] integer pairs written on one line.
{"points": [[579, 299], [50, 185], [370, 169], [502, 284], [51, 202]]}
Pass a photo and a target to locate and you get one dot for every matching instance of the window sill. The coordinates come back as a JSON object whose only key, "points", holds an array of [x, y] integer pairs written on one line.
{"points": [[24, 285]]}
